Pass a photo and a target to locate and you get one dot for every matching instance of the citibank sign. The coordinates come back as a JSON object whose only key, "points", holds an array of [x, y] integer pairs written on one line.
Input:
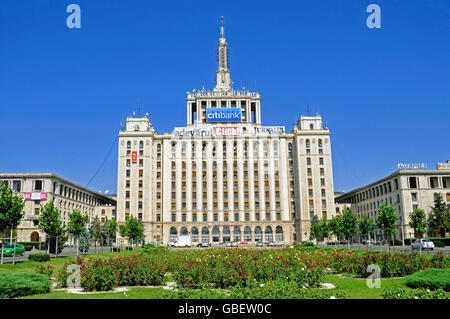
{"points": [[231, 114]]}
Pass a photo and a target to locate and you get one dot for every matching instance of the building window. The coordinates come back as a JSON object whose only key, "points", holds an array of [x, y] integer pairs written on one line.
{"points": [[38, 185]]}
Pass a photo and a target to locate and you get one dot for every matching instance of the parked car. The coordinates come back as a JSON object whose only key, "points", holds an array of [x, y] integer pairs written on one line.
{"points": [[228, 244], [204, 244], [8, 250], [67, 244], [259, 244], [422, 244], [270, 244], [279, 243], [234, 244]]}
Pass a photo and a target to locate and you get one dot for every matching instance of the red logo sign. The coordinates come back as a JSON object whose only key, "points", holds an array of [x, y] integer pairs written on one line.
{"points": [[134, 157], [227, 131]]}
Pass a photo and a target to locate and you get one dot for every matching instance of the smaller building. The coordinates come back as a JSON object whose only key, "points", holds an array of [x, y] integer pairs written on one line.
{"points": [[39, 188], [406, 190]]}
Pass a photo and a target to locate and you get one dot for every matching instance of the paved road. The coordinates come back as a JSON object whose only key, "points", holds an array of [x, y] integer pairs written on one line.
{"points": [[403, 249], [66, 252]]}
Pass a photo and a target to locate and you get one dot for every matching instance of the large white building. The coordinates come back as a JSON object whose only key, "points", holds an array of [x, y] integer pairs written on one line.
{"points": [[404, 189], [37, 189], [225, 176]]}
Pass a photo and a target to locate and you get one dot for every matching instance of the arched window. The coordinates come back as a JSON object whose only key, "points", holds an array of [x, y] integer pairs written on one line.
{"points": [[173, 234], [226, 234], [279, 233], [203, 149], [268, 235], [237, 233], [183, 231], [183, 149], [129, 144], [258, 233], [247, 234], [194, 234], [216, 234], [205, 234]]}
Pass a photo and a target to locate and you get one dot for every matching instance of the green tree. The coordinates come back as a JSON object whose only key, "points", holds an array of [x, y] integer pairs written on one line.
{"points": [[11, 209], [77, 223], [132, 229], [325, 230], [51, 225], [349, 223], [366, 226], [418, 221], [97, 230], [441, 215], [336, 227], [315, 228], [387, 219], [111, 229]]}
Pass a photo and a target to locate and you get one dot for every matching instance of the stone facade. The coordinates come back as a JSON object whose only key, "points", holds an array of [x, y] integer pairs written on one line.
{"points": [[225, 180], [39, 188], [406, 190]]}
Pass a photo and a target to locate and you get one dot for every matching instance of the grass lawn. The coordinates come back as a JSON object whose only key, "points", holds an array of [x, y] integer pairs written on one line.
{"points": [[356, 288], [133, 293]]}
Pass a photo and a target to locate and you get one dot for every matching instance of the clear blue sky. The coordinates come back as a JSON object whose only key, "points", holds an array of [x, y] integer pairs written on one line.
{"points": [[385, 93]]}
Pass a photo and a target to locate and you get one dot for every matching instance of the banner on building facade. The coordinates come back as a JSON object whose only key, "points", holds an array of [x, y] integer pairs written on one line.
{"points": [[217, 114], [35, 196], [269, 130]]}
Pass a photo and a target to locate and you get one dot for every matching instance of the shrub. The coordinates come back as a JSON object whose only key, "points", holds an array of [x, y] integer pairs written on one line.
{"points": [[116, 249], [45, 270], [438, 243], [40, 257], [431, 279], [281, 289], [13, 284], [28, 245], [128, 248], [397, 242], [400, 293]]}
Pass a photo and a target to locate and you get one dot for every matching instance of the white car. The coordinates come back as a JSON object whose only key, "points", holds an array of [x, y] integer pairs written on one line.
{"points": [[422, 244]]}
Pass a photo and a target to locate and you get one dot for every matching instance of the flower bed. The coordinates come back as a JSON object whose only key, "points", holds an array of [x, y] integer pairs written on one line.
{"points": [[105, 274]]}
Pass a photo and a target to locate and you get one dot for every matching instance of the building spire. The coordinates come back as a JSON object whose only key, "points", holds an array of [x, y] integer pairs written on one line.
{"points": [[222, 30], [223, 80]]}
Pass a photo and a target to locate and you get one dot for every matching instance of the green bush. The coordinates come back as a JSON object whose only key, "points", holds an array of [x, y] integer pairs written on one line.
{"points": [[438, 243], [128, 248], [45, 270], [116, 249], [430, 278], [28, 245], [396, 242], [41, 257], [400, 293], [14, 284]]}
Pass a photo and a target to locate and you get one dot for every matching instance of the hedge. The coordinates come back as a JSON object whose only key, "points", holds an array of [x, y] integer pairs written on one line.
{"points": [[41, 257], [15, 284], [432, 279], [30, 244], [445, 240]]}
